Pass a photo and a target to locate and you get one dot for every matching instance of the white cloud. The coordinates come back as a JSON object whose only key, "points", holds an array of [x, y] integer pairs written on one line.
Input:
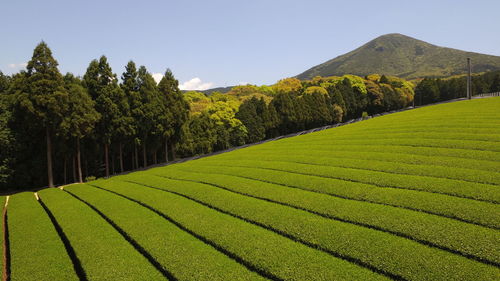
{"points": [[17, 65], [243, 83], [196, 84], [157, 77]]}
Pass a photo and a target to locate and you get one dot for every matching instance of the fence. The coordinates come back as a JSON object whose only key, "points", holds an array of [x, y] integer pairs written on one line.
{"points": [[487, 95]]}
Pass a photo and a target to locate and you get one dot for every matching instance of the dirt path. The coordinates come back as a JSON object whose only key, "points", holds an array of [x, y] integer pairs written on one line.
{"points": [[6, 248]]}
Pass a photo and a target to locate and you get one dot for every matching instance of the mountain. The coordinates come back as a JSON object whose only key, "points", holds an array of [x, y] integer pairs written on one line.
{"points": [[212, 90], [218, 89], [403, 56]]}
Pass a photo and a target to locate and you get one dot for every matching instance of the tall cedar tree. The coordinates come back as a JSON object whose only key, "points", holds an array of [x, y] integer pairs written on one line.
{"points": [[130, 87], [111, 103], [252, 120], [148, 115], [286, 108], [271, 120], [6, 136], [46, 98], [320, 112], [27, 134], [81, 118], [355, 101], [175, 111]]}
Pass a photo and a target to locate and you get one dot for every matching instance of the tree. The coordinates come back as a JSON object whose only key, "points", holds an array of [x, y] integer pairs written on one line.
{"points": [[81, 118], [354, 93], [271, 121], [250, 114], [230, 131], [28, 136], [6, 141], [337, 113], [427, 91], [495, 85], [111, 104], [130, 87], [288, 86], [479, 86], [337, 98], [175, 111], [375, 98], [390, 97], [287, 113], [148, 114], [319, 111], [198, 135], [6, 136], [46, 98], [4, 83]]}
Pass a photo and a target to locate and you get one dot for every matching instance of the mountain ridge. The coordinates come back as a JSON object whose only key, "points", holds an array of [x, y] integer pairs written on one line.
{"points": [[403, 56]]}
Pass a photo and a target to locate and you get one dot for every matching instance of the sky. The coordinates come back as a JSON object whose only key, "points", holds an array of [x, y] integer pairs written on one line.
{"points": [[221, 43]]}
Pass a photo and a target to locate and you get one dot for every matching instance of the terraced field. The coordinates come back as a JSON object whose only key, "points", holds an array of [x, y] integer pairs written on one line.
{"points": [[407, 196]]}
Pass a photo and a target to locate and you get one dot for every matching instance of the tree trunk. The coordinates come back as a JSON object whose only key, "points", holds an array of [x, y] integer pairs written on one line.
{"points": [[154, 158], [120, 147], [86, 166], [112, 162], [136, 156], [65, 163], [133, 161], [144, 156], [172, 148], [78, 161], [106, 159], [166, 150], [49, 159], [73, 161]]}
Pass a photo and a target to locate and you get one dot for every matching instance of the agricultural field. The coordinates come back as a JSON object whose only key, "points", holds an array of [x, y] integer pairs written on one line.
{"points": [[413, 195]]}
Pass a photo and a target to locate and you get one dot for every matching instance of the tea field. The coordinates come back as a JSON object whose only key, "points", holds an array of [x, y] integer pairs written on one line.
{"points": [[413, 195]]}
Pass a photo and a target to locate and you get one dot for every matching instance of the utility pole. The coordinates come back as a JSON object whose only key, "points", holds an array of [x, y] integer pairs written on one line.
{"points": [[469, 80]]}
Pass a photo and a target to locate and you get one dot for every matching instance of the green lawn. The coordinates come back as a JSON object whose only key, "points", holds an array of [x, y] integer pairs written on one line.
{"points": [[413, 195]]}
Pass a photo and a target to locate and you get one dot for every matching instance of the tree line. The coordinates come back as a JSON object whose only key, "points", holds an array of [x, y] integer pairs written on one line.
{"points": [[56, 129], [431, 90], [84, 127], [291, 105]]}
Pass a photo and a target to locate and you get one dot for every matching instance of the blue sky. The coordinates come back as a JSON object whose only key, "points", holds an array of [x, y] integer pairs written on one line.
{"points": [[221, 43]]}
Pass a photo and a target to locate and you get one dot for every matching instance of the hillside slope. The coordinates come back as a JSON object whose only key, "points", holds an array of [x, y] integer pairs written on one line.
{"points": [[402, 56], [412, 195]]}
